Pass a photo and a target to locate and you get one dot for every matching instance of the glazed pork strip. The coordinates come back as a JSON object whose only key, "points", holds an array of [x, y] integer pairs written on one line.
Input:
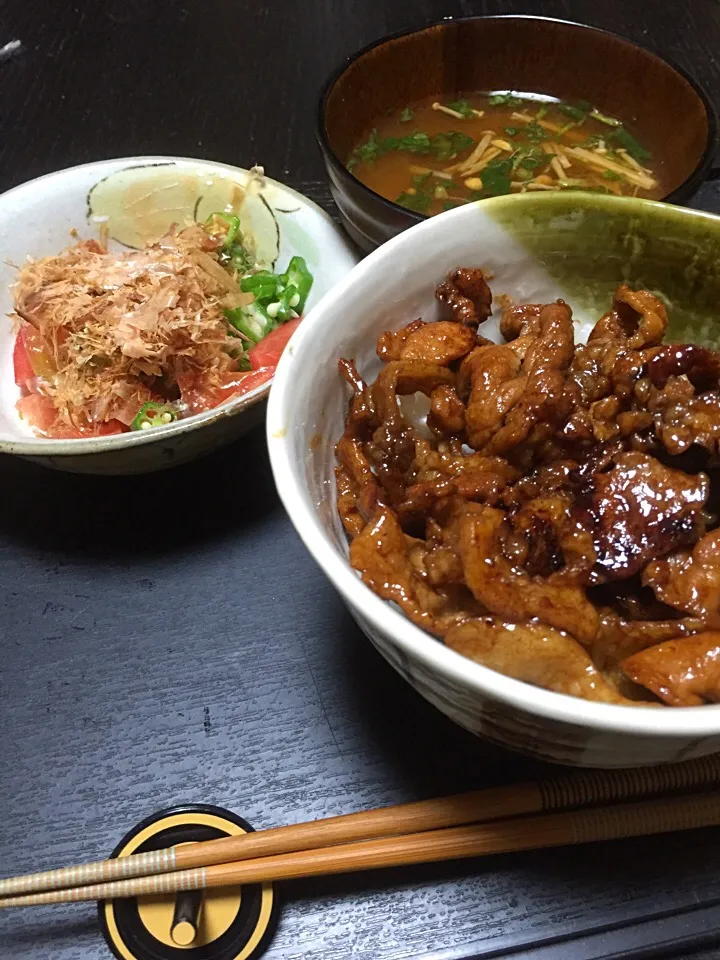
{"points": [[555, 516]]}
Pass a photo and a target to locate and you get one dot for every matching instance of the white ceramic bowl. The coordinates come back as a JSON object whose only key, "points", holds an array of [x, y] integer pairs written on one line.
{"points": [[36, 219], [538, 248]]}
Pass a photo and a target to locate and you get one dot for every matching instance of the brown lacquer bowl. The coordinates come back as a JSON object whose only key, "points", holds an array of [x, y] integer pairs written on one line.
{"points": [[668, 110]]}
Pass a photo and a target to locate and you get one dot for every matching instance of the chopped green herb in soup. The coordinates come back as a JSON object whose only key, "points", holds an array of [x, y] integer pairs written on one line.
{"points": [[432, 156]]}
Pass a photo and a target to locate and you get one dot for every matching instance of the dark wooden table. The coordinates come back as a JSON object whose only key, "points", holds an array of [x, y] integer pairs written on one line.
{"points": [[166, 639]]}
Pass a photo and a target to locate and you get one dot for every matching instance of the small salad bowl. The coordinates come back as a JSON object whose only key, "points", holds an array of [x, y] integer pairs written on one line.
{"points": [[127, 202]]}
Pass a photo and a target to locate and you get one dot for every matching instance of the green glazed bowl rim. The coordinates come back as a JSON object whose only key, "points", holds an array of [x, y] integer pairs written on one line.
{"points": [[593, 202]]}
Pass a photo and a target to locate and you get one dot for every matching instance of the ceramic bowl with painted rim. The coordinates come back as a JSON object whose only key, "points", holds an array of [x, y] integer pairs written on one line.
{"points": [[135, 199], [537, 248]]}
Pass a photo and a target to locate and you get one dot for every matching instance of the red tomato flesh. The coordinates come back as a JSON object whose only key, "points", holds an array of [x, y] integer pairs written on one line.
{"points": [[39, 411], [30, 362], [254, 379], [267, 353], [107, 428], [29, 357], [200, 396], [24, 372], [264, 357]]}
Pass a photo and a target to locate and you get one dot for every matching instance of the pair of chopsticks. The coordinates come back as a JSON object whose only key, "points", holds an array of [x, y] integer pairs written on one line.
{"points": [[467, 825]]}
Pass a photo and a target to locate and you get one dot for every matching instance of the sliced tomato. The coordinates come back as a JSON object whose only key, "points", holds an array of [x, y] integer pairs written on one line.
{"points": [[253, 379], [200, 396], [111, 427], [106, 429], [38, 410], [267, 352], [24, 372], [196, 393], [29, 357]]}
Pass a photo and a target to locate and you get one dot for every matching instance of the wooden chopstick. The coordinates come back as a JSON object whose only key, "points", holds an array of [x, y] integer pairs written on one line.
{"points": [[502, 836], [474, 807], [561, 793]]}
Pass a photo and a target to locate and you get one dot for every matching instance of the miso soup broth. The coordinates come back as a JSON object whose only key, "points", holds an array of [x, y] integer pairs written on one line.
{"points": [[434, 155]]}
